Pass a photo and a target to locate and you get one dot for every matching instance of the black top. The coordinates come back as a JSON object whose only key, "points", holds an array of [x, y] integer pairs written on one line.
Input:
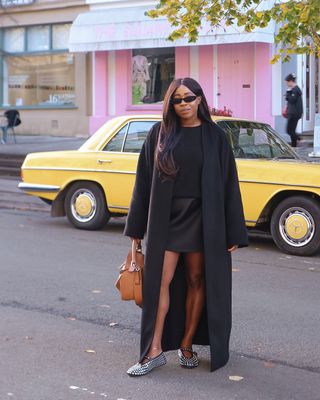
{"points": [[294, 99], [188, 157]]}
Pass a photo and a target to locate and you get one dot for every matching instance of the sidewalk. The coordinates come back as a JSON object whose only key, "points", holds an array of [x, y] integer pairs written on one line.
{"points": [[35, 143]]}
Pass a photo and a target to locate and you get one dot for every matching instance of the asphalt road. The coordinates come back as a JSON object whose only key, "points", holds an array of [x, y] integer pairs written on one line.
{"points": [[64, 333]]}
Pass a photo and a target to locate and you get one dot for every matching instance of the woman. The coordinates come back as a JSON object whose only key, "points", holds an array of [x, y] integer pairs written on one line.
{"points": [[187, 198], [294, 108]]}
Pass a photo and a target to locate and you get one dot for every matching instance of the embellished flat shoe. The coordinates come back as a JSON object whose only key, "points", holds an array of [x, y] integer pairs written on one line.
{"points": [[186, 362], [143, 369]]}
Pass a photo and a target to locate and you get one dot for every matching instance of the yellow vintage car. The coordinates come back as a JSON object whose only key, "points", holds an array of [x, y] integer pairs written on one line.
{"points": [[280, 192]]}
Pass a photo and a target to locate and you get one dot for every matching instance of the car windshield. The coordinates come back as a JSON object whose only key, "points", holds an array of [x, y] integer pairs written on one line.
{"points": [[255, 140]]}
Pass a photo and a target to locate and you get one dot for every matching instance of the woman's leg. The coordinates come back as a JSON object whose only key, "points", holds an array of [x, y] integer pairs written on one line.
{"points": [[195, 296], [169, 266], [4, 134]]}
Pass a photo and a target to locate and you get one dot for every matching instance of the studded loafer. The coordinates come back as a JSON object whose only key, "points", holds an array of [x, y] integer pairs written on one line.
{"points": [[143, 369], [186, 362]]}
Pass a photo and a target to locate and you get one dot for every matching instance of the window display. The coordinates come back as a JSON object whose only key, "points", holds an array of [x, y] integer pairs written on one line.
{"points": [[152, 72], [34, 73], [44, 80]]}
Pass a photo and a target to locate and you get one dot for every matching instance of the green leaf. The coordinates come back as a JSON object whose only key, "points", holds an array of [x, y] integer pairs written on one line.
{"points": [[296, 19]]}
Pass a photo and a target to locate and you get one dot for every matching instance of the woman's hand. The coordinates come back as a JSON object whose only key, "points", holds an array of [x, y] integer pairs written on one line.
{"points": [[233, 248]]}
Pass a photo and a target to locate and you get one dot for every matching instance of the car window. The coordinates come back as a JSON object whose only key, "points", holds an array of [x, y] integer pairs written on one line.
{"points": [[115, 144], [136, 135], [227, 130], [255, 140]]}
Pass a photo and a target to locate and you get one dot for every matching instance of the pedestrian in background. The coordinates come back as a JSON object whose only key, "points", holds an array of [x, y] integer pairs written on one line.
{"points": [[187, 198], [11, 118], [294, 108]]}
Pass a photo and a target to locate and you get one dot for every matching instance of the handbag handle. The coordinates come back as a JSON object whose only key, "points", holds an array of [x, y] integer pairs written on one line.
{"points": [[136, 247]]}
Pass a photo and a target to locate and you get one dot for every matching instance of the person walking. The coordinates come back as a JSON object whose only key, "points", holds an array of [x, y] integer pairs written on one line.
{"points": [[187, 200], [294, 108]]}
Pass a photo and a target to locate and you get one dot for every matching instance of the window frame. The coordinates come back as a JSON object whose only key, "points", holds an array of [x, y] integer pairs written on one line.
{"points": [[34, 52], [25, 53], [127, 132], [146, 106], [104, 150], [127, 124]]}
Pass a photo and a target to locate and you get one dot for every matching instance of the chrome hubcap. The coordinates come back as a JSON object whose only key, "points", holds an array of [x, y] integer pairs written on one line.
{"points": [[296, 226], [83, 205]]}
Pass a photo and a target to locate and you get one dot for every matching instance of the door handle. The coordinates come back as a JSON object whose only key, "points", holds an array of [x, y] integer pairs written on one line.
{"points": [[104, 161]]}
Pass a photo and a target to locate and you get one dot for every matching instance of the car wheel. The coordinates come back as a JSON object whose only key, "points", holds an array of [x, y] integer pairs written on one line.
{"points": [[295, 226], [85, 206]]}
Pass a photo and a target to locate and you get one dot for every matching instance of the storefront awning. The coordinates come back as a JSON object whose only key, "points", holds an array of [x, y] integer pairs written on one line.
{"points": [[130, 28]]}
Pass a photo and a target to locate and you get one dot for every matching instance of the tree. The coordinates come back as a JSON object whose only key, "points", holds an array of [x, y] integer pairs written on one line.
{"points": [[298, 21]]}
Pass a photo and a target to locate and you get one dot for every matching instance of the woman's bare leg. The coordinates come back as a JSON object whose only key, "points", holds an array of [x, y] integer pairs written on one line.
{"points": [[169, 266], [195, 296]]}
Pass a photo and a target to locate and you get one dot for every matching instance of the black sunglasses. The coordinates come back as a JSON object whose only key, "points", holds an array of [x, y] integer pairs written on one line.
{"points": [[178, 100]]}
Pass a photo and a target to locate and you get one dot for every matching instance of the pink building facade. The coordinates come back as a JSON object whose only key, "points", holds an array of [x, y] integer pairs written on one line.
{"points": [[133, 63], [234, 76]]}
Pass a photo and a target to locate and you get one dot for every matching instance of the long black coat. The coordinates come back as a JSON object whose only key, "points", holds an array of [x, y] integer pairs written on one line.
{"points": [[223, 226]]}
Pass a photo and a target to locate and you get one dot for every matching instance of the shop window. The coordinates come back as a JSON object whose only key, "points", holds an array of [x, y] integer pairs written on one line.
{"points": [[136, 135], [116, 142], [152, 72], [13, 40], [42, 80], [35, 73], [38, 38]]}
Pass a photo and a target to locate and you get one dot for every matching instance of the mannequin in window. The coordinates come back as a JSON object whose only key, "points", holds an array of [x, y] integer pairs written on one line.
{"points": [[140, 77]]}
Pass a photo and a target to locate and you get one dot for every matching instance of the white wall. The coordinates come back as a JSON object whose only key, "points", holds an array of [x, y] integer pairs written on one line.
{"points": [[105, 4]]}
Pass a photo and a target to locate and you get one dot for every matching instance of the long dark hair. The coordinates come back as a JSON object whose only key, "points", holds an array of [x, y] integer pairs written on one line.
{"points": [[170, 126]]}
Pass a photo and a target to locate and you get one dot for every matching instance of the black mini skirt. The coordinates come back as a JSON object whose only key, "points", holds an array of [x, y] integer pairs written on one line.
{"points": [[185, 226]]}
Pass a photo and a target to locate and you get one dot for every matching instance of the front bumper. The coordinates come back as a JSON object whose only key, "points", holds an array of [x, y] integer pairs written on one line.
{"points": [[33, 187]]}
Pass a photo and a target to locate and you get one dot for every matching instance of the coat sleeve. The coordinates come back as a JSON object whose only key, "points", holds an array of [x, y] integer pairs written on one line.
{"points": [[236, 230], [137, 218]]}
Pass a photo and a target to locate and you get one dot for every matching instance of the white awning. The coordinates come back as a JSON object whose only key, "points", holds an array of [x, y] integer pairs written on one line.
{"points": [[130, 28]]}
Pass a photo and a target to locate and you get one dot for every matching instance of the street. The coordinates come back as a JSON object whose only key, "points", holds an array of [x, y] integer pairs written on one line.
{"points": [[65, 334]]}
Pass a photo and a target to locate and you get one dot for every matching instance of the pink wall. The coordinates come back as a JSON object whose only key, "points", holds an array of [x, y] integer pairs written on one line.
{"points": [[244, 77], [182, 62], [206, 72], [123, 80], [100, 101], [263, 88]]}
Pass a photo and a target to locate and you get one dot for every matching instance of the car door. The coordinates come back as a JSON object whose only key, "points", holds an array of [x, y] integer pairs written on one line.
{"points": [[254, 145], [118, 160]]}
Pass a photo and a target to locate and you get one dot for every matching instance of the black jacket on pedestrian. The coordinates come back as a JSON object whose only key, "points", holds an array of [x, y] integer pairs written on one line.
{"points": [[294, 99], [223, 226]]}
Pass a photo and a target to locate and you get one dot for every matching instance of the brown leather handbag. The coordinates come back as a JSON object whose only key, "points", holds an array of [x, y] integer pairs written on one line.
{"points": [[130, 279]]}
